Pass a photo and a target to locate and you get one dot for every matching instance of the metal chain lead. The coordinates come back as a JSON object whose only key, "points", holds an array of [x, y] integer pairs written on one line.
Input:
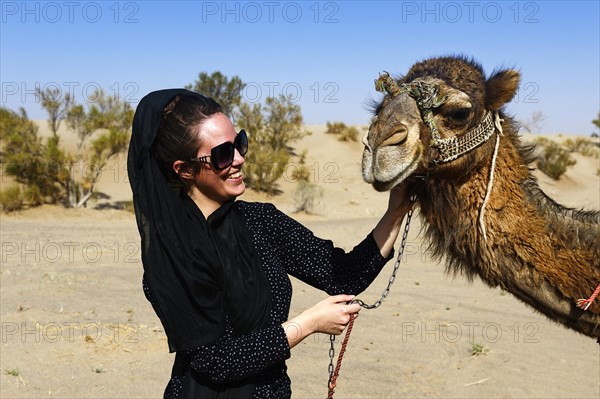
{"points": [[396, 266], [331, 356], [385, 292]]}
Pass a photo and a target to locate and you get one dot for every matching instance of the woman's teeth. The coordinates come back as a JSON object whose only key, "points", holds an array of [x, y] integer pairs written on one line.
{"points": [[235, 175]]}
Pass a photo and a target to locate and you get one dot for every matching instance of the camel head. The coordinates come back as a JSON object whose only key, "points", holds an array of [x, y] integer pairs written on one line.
{"points": [[434, 120]]}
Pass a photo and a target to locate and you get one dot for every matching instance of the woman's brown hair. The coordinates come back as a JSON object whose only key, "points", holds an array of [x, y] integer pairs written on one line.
{"points": [[177, 137]]}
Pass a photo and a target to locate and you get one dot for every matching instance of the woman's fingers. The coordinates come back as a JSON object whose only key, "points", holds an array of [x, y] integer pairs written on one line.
{"points": [[329, 316], [332, 314], [354, 308], [337, 329], [399, 198], [341, 298]]}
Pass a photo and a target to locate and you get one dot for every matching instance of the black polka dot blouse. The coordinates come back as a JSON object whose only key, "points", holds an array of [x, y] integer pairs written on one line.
{"points": [[284, 247]]}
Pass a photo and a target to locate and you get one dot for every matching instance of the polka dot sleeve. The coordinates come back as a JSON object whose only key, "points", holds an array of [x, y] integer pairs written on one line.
{"points": [[319, 263], [235, 358]]}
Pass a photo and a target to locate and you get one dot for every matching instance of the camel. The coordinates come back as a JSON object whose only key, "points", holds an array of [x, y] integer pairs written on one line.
{"points": [[442, 128]]}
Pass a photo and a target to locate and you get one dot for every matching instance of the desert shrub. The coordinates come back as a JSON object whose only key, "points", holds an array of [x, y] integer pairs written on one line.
{"points": [[307, 196], [264, 168], [271, 128], [478, 349], [335, 127], [283, 121], [26, 158], [226, 91], [349, 134], [583, 146], [11, 199], [345, 133], [553, 159], [301, 172], [128, 206], [44, 167], [570, 145]]}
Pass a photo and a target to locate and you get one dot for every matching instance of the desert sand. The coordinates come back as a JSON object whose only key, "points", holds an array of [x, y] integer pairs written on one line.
{"points": [[75, 323]]}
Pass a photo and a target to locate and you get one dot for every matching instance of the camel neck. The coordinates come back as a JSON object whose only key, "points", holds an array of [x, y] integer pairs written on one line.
{"points": [[541, 255]]}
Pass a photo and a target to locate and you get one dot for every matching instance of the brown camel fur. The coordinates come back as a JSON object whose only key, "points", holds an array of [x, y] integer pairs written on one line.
{"points": [[547, 255]]}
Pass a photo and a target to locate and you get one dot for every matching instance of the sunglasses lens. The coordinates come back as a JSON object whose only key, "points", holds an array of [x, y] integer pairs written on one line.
{"points": [[222, 155], [241, 142]]}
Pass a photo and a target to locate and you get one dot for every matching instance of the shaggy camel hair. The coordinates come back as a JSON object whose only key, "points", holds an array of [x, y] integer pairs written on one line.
{"points": [[442, 127]]}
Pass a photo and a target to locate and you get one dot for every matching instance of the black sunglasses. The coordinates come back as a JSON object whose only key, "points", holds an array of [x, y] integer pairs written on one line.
{"points": [[222, 155]]}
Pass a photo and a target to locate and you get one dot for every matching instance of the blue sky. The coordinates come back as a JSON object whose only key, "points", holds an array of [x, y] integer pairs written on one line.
{"points": [[326, 54]]}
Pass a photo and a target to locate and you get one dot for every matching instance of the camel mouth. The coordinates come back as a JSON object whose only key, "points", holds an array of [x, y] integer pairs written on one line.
{"points": [[389, 165], [401, 176]]}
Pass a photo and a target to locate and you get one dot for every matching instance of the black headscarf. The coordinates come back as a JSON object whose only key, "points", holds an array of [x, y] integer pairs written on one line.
{"points": [[198, 271]]}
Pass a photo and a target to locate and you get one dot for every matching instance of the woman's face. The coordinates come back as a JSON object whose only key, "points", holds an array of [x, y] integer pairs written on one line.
{"points": [[215, 187]]}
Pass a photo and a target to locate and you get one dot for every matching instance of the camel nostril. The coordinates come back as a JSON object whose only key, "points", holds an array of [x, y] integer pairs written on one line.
{"points": [[397, 138]]}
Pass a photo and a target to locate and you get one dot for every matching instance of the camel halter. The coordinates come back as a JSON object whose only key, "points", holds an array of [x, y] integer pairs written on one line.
{"points": [[449, 149], [428, 99]]}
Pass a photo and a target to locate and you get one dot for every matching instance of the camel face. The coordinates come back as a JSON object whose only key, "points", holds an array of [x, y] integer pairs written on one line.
{"points": [[392, 145], [397, 143], [400, 141]]}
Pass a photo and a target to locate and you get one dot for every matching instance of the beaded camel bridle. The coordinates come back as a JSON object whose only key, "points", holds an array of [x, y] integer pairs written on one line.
{"points": [[447, 149], [428, 99]]}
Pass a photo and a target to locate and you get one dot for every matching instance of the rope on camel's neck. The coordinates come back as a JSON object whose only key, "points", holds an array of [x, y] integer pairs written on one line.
{"points": [[488, 191]]}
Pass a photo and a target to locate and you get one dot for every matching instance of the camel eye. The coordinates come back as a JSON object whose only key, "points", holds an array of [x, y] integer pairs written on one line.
{"points": [[460, 114]]}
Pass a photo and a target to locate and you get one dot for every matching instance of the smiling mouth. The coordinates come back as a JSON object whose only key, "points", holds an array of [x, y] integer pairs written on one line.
{"points": [[235, 175]]}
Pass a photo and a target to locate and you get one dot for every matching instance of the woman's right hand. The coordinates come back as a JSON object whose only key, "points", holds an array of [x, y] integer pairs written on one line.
{"points": [[329, 316]]}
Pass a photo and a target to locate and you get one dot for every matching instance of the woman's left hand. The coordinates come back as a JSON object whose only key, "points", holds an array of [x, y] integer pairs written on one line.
{"points": [[399, 201], [386, 231]]}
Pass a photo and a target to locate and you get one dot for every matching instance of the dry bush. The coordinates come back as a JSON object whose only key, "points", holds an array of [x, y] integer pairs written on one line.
{"points": [[553, 159], [307, 196], [301, 172], [271, 129], [11, 199], [349, 134], [582, 146], [266, 167], [335, 127], [345, 133]]}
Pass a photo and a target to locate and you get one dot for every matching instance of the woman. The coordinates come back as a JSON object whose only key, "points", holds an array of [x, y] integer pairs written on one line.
{"points": [[216, 270]]}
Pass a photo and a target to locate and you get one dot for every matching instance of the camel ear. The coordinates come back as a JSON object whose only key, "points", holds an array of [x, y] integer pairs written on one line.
{"points": [[500, 88]]}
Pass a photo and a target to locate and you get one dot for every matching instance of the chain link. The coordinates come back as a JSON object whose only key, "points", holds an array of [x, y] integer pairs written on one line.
{"points": [[396, 266], [331, 357], [385, 292]]}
